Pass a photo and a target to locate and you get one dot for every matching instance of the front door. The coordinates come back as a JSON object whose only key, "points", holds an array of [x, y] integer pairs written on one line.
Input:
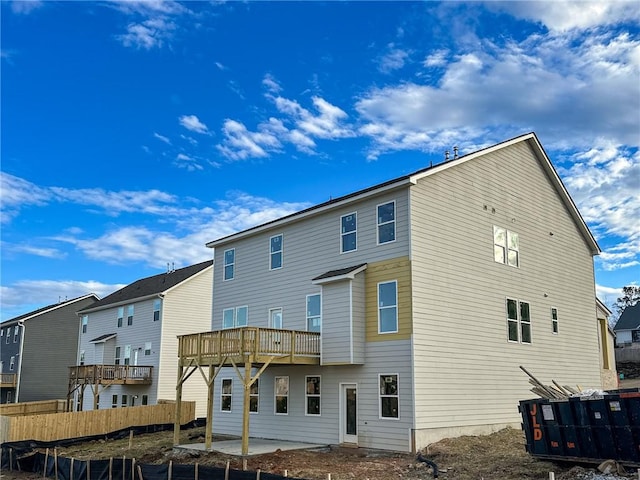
{"points": [[349, 413]]}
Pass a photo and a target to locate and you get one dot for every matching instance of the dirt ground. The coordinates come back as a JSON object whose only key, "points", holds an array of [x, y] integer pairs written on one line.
{"points": [[500, 456]]}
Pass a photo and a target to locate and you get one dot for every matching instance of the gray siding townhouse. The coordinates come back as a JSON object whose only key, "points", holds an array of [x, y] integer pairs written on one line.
{"points": [[627, 327], [399, 314], [127, 353], [37, 349]]}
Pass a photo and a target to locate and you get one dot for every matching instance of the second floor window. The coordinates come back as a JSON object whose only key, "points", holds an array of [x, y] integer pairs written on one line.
{"points": [[554, 320], [127, 354], [12, 363], [16, 329], [506, 247], [147, 348], [116, 356], [235, 317], [81, 357], [130, 315], [388, 307], [120, 316], [229, 264], [314, 318], [85, 322], [156, 309], [348, 232], [386, 222], [275, 252]]}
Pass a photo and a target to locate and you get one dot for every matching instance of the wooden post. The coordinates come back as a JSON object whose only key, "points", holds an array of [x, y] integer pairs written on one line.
{"points": [[170, 473], [55, 462], [245, 407], [11, 459], [244, 464], [208, 433], [226, 471], [130, 439], [133, 469], [46, 459], [111, 468], [88, 469], [71, 470], [139, 473], [177, 423], [195, 472], [258, 474], [552, 476]]}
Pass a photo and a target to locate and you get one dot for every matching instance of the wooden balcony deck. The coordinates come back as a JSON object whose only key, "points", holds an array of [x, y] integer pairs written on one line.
{"points": [[111, 374], [249, 345], [8, 380]]}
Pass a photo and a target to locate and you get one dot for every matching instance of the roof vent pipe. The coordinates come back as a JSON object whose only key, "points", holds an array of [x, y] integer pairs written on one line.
{"points": [[455, 152], [446, 155]]}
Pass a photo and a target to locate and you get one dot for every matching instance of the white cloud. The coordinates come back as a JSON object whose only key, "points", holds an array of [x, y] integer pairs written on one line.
{"points": [[18, 193], [39, 251], [220, 66], [271, 84], [240, 143], [394, 59], [603, 182], [148, 34], [25, 7], [568, 15], [193, 123], [190, 164], [569, 89], [162, 138], [438, 58]]}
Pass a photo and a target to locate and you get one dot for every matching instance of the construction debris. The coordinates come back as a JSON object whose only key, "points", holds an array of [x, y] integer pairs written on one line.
{"points": [[554, 391]]}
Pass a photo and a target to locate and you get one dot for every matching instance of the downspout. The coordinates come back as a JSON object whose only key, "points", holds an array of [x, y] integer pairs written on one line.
{"points": [[21, 356]]}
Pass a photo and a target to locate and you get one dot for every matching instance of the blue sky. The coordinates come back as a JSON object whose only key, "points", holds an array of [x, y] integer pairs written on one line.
{"points": [[135, 132]]}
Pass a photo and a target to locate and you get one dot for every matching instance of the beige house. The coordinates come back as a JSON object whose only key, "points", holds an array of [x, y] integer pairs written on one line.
{"points": [[399, 314], [127, 354]]}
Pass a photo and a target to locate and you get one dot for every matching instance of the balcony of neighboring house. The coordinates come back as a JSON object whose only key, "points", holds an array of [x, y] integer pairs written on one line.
{"points": [[8, 380], [254, 345], [111, 374]]}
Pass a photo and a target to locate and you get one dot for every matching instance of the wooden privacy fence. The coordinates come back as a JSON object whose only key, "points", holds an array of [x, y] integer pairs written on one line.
{"points": [[60, 426], [33, 408]]}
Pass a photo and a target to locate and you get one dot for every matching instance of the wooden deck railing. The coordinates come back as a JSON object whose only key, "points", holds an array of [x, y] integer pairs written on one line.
{"points": [[135, 374], [292, 346], [8, 380]]}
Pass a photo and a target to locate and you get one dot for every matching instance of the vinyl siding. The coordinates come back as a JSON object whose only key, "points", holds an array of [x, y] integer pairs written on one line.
{"points": [[143, 330], [185, 309], [373, 432], [359, 317], [311, 248], [337, 323], [50, 347], [465, 369]]}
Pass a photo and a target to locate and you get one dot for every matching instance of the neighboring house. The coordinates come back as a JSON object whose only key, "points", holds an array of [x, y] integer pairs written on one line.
{"points": [[37, 349], [399, 314], [127, 354], [607, 337], [628, 326]]}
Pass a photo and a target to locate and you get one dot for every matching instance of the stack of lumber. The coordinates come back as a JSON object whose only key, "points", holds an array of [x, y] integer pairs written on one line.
{"points": [[554, 391]]}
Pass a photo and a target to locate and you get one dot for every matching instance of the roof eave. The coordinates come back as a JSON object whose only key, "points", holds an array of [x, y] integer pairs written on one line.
{"points": [[118, 304]]}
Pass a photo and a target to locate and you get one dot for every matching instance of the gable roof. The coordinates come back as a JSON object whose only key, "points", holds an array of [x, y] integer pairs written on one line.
{"points": [[411, 179], [148, 287], [629, 319], [49, 308], [340, 274]]}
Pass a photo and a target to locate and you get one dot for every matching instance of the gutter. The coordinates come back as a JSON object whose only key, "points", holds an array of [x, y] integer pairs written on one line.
{"points": [[21, 354]]}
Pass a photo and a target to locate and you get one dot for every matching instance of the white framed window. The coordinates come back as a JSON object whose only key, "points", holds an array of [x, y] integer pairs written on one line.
{"points": [[229, 264], [389, 396], [386, 222], [81, 357], [8, 335], [1, 332], [275, 318], [314, 313], [85, 322], [254, 396], [282, 395], [120, 316], [147, 348], [125, 399], [506, 246], [518, 321], [235, 317], [156, 309], [388, 307], [130, 315], [349, 232], [114, 401], [312, 394], [554, 321], [16, 329], [275, 252], [12, 363], [226, 394], [116, 356], [127, 354]]}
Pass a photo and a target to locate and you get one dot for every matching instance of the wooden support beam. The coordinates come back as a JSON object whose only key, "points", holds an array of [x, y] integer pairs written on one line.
{"points": [[245, 408], [177, 423], [208, 433]]}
